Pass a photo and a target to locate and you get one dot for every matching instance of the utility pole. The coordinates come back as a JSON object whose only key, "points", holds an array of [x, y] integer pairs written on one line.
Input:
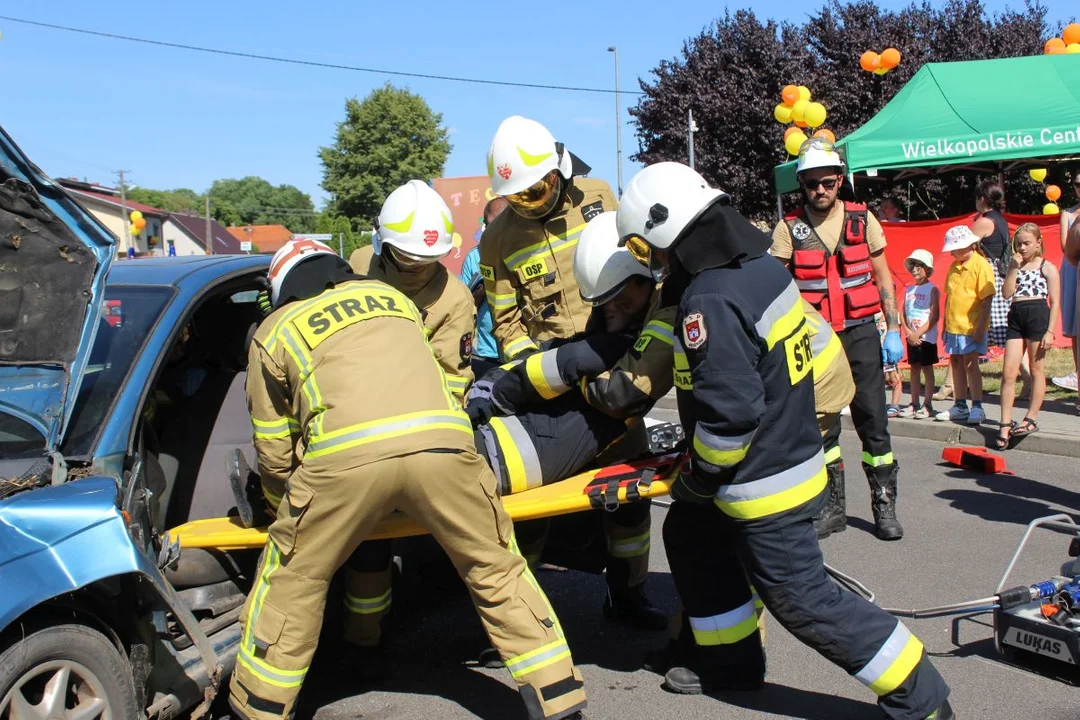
{"points": [[124, 220], [618, 121], [209, 232], [691, 128], [341, 244]]}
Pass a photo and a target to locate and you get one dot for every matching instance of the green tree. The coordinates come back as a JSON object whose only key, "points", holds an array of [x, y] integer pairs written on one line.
{"points": [[179, 200], [254, 201], [339, 224], [389, 138], [732, 73]]}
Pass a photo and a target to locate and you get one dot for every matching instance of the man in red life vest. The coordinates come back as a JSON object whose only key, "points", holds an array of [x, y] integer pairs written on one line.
{"points": [[836, 251]]}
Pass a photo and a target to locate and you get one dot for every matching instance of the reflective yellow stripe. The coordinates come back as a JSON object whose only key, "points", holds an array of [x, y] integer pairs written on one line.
{"points": [[538, 659], [726, 628], [458, 383], [832, 455], [630, 547], [556, 243], [775, 494], [782, 317], [367, 606], [878, 460], [274, 429], [518, 346], [720, 450], [531, 579], [264, 671], [660, 330], [893, 663], [824, 343], [518, 454], [300, 355], [272, 497], [502, 301], [683, 379], [543, 372], [385, 429]]}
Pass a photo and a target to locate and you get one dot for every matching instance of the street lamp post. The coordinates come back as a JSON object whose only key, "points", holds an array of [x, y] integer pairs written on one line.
{"points": [[618, 121]]}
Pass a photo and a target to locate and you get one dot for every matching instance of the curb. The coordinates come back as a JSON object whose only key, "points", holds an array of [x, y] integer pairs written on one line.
{"points": [[1042, 442]]}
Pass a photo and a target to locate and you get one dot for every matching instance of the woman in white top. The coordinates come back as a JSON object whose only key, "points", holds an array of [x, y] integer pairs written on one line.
{"points": [[1070, 299]]}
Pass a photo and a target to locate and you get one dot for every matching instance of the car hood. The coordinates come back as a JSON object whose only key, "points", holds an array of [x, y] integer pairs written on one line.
{"points": [[54, 257]]}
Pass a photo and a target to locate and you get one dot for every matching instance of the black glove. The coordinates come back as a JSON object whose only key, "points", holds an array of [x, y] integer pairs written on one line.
{"points": [[480, 411], [687, 489]]}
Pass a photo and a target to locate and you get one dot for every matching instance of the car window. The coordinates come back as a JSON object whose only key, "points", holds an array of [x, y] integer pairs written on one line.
{"points": [[19, 438], [247, 296], [129, 315]]}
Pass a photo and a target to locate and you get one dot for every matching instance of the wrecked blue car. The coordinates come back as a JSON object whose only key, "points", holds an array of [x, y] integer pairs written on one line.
{"points": [[121, 402]]}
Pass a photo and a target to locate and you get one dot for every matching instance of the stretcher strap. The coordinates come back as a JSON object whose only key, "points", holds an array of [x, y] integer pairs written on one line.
{"points": [[604, 495]]}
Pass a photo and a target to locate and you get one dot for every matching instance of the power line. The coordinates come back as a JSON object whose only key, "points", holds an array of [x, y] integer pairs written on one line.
{"points": [[310, 63]]}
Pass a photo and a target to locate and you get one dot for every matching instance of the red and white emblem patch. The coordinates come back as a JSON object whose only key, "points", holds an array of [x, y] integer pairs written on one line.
{"points": [[431, 237], [504, 171], [693, 330]]}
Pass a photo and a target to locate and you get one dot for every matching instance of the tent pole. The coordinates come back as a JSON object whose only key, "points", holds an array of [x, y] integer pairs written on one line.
{"points": [[779, 208], [1001, 177]]}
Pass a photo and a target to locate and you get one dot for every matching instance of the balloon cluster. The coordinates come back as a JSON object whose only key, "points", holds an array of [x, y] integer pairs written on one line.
{"points": [[1053, 192], [1069, 42], [798, 108], [138, 222], [880, 64]]}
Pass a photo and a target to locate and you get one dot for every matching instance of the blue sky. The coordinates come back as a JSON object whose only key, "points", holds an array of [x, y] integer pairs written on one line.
{"points": [[84, 106]]}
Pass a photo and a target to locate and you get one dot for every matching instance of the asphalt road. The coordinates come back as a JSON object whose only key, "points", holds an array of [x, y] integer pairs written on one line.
{"points": [[961, 530]]}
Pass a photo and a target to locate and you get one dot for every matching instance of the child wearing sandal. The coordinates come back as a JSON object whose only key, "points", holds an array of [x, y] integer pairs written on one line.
{"points": [[1034, 287], [969, 287], [920, 322]]}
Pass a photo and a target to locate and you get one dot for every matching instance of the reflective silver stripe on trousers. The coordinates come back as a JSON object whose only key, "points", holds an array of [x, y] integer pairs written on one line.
{"points": [[417, 422], [491, 447], [774, 483], [886, 656], [725, 620], [777, 309], [534, 477]]}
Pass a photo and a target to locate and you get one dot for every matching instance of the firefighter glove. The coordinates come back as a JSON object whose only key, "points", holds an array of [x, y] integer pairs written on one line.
{"points": [[688, 489], [480, 411], [892, 350]]}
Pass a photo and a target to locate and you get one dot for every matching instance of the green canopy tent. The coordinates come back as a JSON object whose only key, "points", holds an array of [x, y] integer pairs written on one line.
{"points": [[981, 114]]}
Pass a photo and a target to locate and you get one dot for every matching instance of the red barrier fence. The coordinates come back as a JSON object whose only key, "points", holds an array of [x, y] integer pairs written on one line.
{"points": [[929, 235]]}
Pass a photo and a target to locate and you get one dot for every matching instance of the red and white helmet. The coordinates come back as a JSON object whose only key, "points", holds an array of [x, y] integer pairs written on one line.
{"points": [[288, 257]]}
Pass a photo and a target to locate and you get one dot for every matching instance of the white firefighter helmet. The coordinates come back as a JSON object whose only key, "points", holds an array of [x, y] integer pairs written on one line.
{"points": [[288, 257], [416, 223], [522, 153], [601, 266], [818, 153], [660, 201]]}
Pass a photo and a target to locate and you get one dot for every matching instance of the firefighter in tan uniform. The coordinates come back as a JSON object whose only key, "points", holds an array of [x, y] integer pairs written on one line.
{"points": [[413, 237], [526, 257], [354, 419]]}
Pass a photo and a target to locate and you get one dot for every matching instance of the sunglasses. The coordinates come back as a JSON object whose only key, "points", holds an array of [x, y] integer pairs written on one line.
{"points": [[828, 184]]}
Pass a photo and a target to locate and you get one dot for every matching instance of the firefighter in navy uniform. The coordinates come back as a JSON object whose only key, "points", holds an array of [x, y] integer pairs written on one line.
{"points": [[526, 256], [836, 251], [559, 408], [414, 234], [354, 419], [744, 502]]}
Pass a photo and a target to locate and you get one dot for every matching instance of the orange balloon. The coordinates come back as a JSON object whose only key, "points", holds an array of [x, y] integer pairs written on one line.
{"points": [[1071, 34], [827, 134], [789, 131], [869, 61], [801, 123], [790, 95], [1053, 192], [1054, 46], [890, 58]]}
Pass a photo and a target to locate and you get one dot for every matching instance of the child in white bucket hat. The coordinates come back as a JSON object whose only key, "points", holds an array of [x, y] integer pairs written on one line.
{"points": [[969, 287]]}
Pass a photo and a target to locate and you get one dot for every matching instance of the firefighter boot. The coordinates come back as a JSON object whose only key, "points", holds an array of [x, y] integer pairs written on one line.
{"points": [[631, 606], [720, 668], [679, 648], [833, 517], [882, 481]]}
